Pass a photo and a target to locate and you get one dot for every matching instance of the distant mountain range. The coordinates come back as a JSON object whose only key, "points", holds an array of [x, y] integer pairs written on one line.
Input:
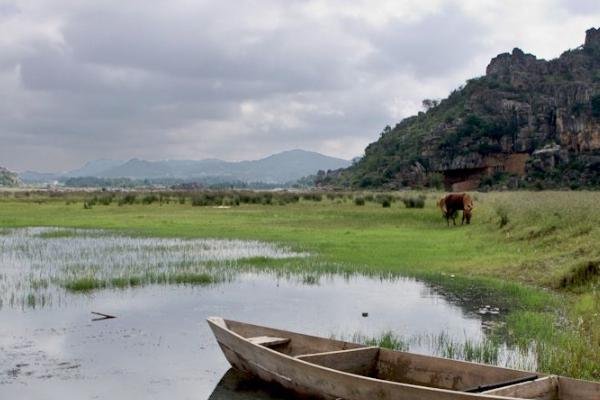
{"points": [[277, 168]]}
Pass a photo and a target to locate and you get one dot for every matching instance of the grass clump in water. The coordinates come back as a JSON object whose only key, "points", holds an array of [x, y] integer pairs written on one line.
{"points": [[310, 280], [191, 278], [442, 345], [87, 284], [124, 282], [485, 351], [567, 348], [84, 284], [388, 340]]}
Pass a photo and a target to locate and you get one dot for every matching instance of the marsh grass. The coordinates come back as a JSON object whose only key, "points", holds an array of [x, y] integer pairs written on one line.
{"points": [[584, 273], [545, 239], [87, 284], [491, 350], [38, 262], [387, 339], [564, 347], [84, 284]]}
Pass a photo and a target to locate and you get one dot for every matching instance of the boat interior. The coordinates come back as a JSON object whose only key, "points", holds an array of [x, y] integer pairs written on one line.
{"points": [[410, 368]]}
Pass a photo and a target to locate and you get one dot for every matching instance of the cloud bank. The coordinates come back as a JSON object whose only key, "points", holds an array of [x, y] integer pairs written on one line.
{"points": [[240, 80]]}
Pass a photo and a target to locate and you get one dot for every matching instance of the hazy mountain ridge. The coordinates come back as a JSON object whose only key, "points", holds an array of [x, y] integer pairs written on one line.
{"points": [[277, 168]]}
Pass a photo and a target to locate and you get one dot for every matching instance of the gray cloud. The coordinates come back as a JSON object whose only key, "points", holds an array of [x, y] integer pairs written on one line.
{"points": [[440, 44], [582, 6], [179, 79]]}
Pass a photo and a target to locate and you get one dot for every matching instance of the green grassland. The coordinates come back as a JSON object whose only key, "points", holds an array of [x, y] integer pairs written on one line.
{"points": [[536, 254]]}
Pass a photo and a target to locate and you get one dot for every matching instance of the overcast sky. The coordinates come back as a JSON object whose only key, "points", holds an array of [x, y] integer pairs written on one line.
{"points": [[82, 80]]}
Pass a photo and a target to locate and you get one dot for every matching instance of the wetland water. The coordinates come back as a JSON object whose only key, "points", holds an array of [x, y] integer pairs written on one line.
{"points": [[160, 346]]}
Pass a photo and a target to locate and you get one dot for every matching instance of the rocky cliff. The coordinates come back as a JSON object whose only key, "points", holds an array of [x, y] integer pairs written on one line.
{"points": [[527, 122]]}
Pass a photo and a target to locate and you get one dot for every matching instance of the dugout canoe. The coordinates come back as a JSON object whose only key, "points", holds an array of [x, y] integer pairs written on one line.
{"points": [[334, 369]]}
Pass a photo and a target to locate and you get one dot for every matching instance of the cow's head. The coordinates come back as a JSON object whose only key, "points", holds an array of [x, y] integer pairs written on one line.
{"points": [[468, 213], [468, 208], [442, 205]]}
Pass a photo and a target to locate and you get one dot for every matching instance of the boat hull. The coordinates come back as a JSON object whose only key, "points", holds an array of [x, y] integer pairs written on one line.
{"points": [[315, 380]]}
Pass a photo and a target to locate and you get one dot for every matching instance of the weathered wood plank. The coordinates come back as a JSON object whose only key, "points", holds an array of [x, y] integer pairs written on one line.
{"points": [[311, 378], [497, 385], [440, 372], [542, 389], [572, 389], [361, 361], [268, 341], [299, 343]]}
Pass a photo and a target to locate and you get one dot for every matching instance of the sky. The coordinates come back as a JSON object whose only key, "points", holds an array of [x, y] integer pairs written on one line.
{"points": [[193, 79]]}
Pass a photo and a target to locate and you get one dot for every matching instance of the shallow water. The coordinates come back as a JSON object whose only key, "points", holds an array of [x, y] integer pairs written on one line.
{"points": [[160, 346]]}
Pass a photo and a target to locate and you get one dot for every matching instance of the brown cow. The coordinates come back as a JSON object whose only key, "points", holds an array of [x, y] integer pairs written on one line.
{"points": [[451, 203]]}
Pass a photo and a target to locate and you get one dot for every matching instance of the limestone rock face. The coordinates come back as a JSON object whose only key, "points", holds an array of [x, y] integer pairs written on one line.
{"points": [[515, 68], [592, 39], [527, 118]]}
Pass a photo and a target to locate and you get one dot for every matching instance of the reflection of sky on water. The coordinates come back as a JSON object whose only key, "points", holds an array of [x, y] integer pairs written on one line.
{"points": [[34, 260], [160, 345]]}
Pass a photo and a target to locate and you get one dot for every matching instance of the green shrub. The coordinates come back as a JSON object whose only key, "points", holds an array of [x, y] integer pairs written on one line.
{"points": [[435, 180], [267, 198], [414, 201], [127, 199], [312, 196], [105, 200], [385, 200], [149, 199], [203, 199], [359, 201]]}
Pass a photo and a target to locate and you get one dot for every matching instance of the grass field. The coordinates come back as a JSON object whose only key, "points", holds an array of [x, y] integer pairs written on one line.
{"points": [[536, 254]]}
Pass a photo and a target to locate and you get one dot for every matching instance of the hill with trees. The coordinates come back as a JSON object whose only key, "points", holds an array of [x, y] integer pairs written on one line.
{"points": [[527, 123], [284, 167]]}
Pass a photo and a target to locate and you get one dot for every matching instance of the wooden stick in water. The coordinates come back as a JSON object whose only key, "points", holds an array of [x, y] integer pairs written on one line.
{"points": [[102, 316]]}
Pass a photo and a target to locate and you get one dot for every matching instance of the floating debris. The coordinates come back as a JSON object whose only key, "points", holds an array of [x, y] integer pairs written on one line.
{"points": [[102, 316], [489, 310]]}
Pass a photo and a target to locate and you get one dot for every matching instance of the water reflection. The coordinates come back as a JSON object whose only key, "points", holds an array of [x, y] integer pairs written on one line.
{"points": [[160, 347], [235, 385]]}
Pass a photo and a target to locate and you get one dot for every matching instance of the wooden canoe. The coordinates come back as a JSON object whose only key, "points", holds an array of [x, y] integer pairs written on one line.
{"points": [[333, 369]]}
